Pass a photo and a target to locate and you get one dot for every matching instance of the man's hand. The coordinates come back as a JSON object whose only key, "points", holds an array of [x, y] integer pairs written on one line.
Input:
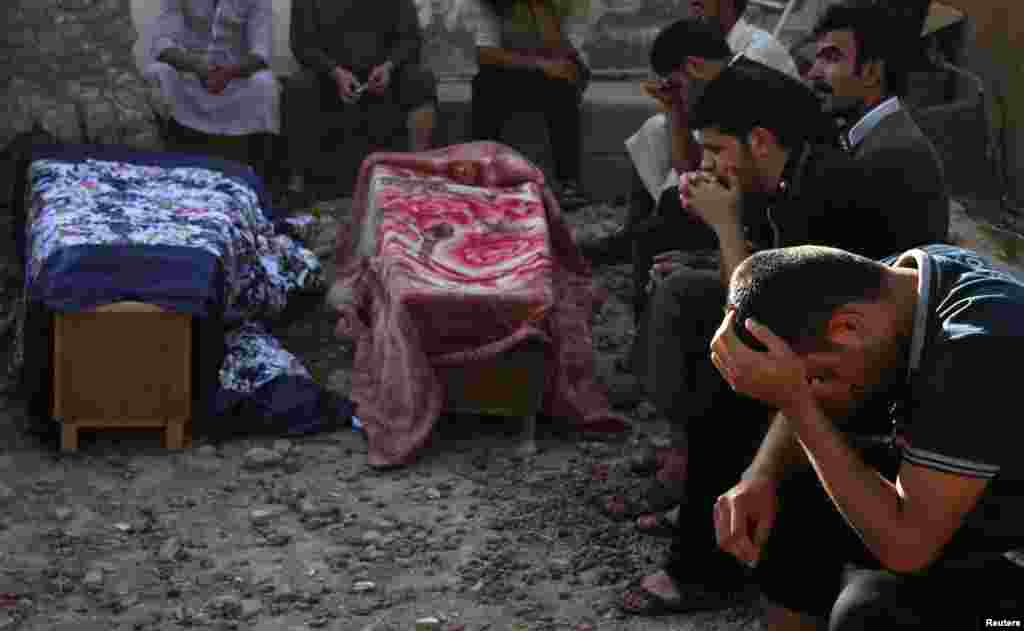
{"points": [[715, 202], [218, 78], [560, 69], [668, 263], [776, 376], [347, 83], [380, 78], [744, 517]]}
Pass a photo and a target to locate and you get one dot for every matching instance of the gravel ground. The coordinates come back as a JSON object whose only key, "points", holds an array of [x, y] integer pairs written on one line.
{"points": [[265, 534]]}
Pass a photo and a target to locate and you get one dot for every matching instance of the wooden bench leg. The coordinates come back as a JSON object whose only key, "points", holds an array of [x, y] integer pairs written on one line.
{"points": [[528, 446], [69, 436], [174, 434]]}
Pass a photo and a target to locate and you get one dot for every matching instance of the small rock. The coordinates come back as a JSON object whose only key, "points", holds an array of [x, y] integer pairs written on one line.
{"points": [[264, 514], [261, 458], [250, 608], [170, 550], [363, 586], [207, 451], [312, 509], [6, 493], [227, 606], [63, 513], [93, 579], [433, 494], [283, 446], [428, 624], [122, 526], [371, 536]]}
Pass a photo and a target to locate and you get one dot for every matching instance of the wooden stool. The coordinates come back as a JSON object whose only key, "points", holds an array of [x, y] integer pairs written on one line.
{"points": [[510, 384], [126, 365]]}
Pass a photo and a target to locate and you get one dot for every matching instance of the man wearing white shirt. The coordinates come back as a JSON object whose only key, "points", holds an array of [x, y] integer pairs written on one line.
{"points": [[861, 76]]}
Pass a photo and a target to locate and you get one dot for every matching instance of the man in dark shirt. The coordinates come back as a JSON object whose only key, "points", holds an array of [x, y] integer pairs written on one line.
{"points": [[860, 69], [358, 58], [927, 521], [763, 184]]}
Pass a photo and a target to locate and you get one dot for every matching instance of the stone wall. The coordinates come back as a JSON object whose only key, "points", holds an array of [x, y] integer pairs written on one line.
{"points": [[68, 69]]}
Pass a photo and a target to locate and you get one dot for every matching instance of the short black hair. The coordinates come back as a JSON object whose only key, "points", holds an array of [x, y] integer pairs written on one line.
{"points": [[881, 34], [794, 291], [741, 7], [689, 37], [749, 94]]}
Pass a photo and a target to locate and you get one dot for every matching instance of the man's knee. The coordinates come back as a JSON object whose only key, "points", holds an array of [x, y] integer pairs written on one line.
{"points": [[876, 600], [696, 292], [266, 82], [416, 87]]}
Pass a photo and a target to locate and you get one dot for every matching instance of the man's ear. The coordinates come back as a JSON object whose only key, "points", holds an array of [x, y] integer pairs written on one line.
{"points": [[846, 328], [873, 73], [698, 67], [761, 141]]}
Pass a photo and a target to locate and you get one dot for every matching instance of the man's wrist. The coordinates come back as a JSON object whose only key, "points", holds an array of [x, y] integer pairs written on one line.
{"points": [[801, 410]]}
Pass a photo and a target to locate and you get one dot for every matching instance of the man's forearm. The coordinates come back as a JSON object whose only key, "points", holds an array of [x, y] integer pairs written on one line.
{"points": [[779, 455], [183, 61], [871, 505], [250, 65], [681, 144], [734, 249]]}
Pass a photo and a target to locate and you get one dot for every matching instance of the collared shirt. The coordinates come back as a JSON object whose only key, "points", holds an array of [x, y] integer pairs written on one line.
{"points": [[221, 31], [871, 120], [957, 415]]}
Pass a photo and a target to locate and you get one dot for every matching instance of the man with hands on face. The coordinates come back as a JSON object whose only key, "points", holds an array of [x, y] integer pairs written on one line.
{"points": [[763, 184], [927, 515], [357, 58]]}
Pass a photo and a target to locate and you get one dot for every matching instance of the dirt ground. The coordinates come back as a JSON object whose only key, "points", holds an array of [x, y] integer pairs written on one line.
{"points": [[302, 534]]}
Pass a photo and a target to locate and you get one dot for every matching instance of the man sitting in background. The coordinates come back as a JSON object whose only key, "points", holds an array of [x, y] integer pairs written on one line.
{"points": [[860, 71], [212, 61], [358, 59]]}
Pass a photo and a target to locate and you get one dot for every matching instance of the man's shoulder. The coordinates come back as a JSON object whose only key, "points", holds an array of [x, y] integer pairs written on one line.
{"points": [[897, 131]]}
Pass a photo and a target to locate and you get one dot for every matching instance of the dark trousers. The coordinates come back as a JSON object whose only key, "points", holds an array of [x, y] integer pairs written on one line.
{"points": [[723, 429], [498, 92], [313, 113], [814, 563], [256, 150], [656, 228]]}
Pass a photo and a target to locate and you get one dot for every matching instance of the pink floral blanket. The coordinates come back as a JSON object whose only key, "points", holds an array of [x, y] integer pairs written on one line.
{"points": [[453, 256]]}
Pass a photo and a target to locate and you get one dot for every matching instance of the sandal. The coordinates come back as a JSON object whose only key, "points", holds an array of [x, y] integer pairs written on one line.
{"points": [[694, 597]]}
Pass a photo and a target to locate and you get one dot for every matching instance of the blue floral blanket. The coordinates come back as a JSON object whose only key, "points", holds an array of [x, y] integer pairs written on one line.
{"points": [[186, 238]]}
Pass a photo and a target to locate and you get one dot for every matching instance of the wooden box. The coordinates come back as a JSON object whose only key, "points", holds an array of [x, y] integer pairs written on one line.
{"points": [[121, 366]]}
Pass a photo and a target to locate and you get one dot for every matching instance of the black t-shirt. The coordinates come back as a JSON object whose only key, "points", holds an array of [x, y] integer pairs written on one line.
{"points": [[826, 198], [961, 411]]}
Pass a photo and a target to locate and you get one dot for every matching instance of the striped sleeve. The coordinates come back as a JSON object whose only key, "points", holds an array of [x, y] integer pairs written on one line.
{"points": [[963, 410]]}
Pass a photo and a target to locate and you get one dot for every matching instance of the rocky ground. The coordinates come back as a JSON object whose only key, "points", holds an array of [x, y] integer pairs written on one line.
{"points": [[268, 534]]}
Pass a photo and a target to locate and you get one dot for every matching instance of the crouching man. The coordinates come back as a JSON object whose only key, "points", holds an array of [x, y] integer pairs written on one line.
{"points": [[926, 514]]}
